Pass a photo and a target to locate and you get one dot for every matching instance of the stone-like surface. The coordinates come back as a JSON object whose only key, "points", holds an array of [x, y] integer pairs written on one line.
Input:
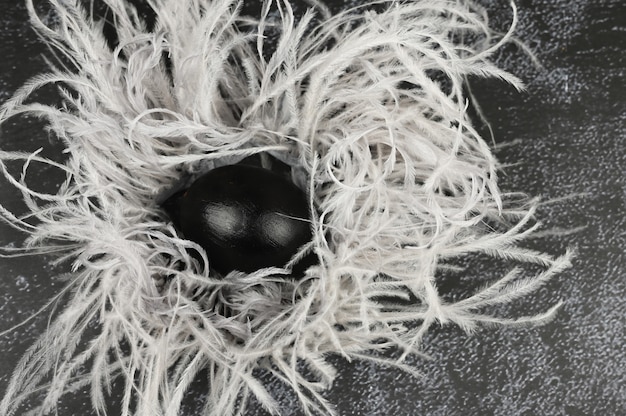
{"points": [[569, 138]]}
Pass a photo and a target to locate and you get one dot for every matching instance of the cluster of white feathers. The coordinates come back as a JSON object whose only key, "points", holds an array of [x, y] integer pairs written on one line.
{"points": [[370, 111]]}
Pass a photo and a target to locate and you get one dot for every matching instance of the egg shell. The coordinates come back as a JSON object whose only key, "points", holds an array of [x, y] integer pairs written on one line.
{"points": [[245, 217]]}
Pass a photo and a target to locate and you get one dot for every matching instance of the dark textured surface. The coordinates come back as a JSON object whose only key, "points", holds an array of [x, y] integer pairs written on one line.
{"points": [[569, 130]]}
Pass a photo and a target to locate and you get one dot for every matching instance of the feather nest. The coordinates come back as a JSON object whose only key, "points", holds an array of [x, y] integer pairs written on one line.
{"points": [[368, 109]]}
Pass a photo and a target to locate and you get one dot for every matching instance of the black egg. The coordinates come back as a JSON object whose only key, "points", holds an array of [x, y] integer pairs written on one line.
{"points": [[245, 217]]}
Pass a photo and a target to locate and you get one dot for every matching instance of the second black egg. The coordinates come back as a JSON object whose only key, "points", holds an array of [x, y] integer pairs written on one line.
{"points": [[245, 217]]}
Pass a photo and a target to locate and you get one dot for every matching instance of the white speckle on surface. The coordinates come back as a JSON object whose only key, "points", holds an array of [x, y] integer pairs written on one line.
{"points": [[22, 283]]}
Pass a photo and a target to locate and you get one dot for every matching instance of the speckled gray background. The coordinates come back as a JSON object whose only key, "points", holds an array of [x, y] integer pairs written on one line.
{"points": [[569, 130]]}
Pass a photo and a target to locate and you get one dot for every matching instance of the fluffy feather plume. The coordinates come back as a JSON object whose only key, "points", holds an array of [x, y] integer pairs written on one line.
{"points": [[367, 108]]}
